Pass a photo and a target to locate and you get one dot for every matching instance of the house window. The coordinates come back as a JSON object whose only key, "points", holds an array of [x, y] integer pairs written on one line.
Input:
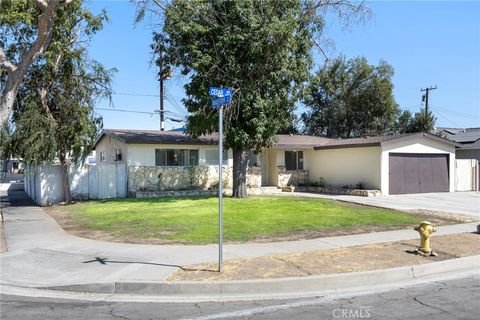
{"points": [[118, 154], [176, 157], [102, 156], [193, 157], [253, 159], [294, 160], [211, 157]]}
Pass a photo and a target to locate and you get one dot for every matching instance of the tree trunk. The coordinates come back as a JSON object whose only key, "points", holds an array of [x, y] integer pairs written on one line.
{"points": [[7, 101], [66, 185], [240, 161]]}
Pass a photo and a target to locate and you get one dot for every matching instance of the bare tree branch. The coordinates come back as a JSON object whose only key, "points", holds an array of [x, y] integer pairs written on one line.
{"points": [[4, 62], [46, 22]]}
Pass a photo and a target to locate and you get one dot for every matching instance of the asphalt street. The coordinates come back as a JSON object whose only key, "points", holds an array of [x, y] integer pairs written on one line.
{"points": [[452, 299]]}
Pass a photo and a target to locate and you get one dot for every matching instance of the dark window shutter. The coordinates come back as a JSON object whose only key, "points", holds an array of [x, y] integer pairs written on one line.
{"points": [[300, 160], [290, 160]]}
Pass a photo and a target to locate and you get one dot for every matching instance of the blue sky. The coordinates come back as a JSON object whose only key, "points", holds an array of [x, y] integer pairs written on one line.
{"points": [[427, 42]]}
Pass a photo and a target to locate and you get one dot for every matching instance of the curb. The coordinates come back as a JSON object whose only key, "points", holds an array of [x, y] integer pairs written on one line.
{"points": [[3, 242], [280, 287]]}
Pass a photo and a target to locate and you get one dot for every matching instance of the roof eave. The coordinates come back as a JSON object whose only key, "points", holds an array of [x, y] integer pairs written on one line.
{"points": [[193, 143], [296, 146], [106, 132], [344, 146], [422, 134]]}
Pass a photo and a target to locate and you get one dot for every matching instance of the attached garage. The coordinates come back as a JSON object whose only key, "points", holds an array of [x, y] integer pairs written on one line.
{"points": [[395, 164], [418, 173]]}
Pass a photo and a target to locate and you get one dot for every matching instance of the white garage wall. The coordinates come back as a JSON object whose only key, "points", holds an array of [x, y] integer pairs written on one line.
{"points": [[345, 166], [417, 145]]}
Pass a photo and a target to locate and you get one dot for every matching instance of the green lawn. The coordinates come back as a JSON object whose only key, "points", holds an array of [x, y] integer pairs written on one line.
{"points": [[194, 219]]}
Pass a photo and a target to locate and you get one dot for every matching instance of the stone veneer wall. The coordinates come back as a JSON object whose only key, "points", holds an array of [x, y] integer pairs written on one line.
{"points": [[254, 177], [291, 177], [350, 192], [145, 178], [209, 192]]}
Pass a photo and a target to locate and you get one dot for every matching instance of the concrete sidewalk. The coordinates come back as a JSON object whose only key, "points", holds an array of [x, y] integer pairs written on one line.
{"points": [[42, 254], [467, 203]]}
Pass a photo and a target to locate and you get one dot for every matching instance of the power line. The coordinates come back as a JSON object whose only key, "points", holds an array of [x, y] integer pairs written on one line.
{"points": [[456, 112], [455, 124], [136, 94], [144, 112], [124, 110], [174, 102]]}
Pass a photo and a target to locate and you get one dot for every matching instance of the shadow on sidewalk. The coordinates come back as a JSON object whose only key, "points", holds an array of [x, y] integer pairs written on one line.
{"points": [[18, 198], [107, 261]]}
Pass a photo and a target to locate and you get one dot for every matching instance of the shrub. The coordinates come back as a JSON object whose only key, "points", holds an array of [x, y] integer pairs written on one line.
{"points": [[360, 185]]}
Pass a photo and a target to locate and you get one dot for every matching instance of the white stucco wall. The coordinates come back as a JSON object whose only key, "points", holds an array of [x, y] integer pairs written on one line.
{"points": [[109, 145], [345, 166], [416, 145], [144, 154]]}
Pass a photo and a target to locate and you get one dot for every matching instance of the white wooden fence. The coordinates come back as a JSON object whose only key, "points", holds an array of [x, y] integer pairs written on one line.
{"points": [[466, 175], [44, 183]]}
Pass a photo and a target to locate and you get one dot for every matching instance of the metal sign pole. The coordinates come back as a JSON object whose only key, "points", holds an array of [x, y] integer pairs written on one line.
{"points": [[220, 188], [221, 97]]}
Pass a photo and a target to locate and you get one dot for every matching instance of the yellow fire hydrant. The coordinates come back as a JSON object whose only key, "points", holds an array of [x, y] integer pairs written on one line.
{"points": [[425, 229]]}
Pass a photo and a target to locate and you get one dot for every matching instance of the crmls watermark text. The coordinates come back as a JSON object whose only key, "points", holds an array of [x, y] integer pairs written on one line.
{"points": [[350, 313]]}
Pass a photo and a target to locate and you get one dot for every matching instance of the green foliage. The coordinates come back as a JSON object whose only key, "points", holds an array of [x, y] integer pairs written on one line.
{"points": [[54, 115], [6, 150], [261, 49], [18, 27], [322, 182], [350, 98], [194, 219], [192, 175], [420, 122], [360, 185]]}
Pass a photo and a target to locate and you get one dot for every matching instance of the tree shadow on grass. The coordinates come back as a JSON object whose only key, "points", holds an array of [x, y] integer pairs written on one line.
{"points": [[105, 261]]}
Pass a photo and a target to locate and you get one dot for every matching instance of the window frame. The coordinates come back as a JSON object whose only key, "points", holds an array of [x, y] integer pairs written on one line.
{"points": [[299, 160], [185, 156]]}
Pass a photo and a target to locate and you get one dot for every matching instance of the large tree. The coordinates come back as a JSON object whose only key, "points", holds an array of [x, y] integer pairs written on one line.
{"points": [[26, 28], [54, 118], [350, 98], [421, 121], [261, 49]]}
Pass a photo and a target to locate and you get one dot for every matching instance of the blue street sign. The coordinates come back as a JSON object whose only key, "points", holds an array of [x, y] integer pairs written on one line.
{"points": [[219, 92], [220, 96], [216, 102]]}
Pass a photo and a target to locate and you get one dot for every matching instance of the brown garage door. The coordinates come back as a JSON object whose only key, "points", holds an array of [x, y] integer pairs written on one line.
{"points": [[418, 173]]}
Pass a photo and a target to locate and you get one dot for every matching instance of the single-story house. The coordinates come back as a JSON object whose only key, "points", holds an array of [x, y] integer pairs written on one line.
{"points": [[395, 164], [468, 138]]}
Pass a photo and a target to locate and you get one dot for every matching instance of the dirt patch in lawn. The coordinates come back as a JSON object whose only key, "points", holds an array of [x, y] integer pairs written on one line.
{"points": [[66, 221], [328, 261], [70, 225]]}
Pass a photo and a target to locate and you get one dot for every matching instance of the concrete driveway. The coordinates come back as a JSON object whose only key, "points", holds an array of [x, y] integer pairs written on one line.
{"points": [[451, 202]]}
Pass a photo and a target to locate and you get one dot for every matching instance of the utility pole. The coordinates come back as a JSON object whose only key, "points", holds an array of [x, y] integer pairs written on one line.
{"points": [[162, 110], [425, 97], [161, 77]]}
